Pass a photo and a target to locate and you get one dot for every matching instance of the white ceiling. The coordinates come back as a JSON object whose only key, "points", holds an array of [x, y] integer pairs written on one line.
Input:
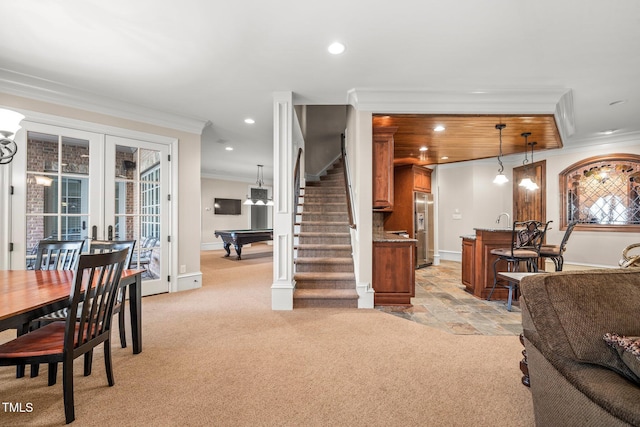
{"points": [[220, 61]]}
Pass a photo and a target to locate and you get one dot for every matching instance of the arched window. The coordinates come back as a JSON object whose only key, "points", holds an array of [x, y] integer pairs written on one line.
{"points": [[602, 193]]}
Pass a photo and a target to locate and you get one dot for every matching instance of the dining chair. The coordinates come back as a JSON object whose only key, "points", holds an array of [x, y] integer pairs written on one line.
{"points": [[57, 254], [556, 252], [105, 246], [53, 255], [526, 239], [96, 286]]}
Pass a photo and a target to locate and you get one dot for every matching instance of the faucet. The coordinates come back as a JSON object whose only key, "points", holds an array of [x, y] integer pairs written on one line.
{"points": [[500, 216]]}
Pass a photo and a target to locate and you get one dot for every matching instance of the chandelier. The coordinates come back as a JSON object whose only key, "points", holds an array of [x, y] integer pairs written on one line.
{"points": [[9, 125], [259, 202]]}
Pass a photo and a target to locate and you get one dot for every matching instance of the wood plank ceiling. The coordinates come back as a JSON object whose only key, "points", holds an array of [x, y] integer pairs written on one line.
{"points": [[466, 137]]}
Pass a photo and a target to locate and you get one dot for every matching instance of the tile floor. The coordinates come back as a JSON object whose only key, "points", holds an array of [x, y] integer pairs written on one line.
{"points": [[441, 302]]}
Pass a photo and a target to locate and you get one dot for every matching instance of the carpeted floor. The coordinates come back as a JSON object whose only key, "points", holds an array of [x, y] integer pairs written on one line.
{"points": [[220, 356]]}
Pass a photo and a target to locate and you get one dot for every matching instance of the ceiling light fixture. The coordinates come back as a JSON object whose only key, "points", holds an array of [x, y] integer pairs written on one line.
{"points": [[533, 186], [9, 125], [228, 148], [526, 181], [249, 121], [259, 181], [608, 132], [336, 48], [500, 177]]}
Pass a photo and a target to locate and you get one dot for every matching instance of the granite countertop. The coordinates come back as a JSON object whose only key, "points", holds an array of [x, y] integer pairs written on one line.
{"points": [[469, 237], [390, 237], [493, 228]]}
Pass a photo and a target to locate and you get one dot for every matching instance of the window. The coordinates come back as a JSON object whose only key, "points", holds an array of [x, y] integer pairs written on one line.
{"points": [[602, 193]]}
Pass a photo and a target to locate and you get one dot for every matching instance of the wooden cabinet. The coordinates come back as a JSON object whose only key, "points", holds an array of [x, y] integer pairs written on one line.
{"points": [[468, 260], [477, 262], [382, 180], [421, 179], [407, 179], [394, 272]]}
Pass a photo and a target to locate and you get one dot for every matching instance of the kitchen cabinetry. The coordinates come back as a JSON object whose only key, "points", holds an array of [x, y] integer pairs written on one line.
{"points": [[407, 179], [468, 259], [382, 180], [394, 271]]}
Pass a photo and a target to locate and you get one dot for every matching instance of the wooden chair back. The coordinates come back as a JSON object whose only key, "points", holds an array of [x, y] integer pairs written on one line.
{"points": [[58, 254], [106, 246], [94, 293]]}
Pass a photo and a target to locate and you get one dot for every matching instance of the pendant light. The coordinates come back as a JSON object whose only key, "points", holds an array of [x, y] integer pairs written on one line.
{"points": [[533, 186], [526, 181], [500, 177], [259, 181]]}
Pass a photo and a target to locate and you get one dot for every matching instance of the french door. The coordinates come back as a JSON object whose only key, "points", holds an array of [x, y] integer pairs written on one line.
{"points": [[136, 188], [76, 185]]}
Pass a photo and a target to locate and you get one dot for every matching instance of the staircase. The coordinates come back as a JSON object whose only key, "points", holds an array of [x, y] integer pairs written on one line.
{"points": [[324, 266]]}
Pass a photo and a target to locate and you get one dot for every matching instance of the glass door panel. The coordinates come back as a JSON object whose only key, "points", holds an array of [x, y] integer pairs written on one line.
{"points": [[140, 205], [57, 189]]}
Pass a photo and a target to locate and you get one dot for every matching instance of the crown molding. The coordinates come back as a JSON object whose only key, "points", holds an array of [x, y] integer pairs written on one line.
{"points": [[23, 85], [555, 100]]}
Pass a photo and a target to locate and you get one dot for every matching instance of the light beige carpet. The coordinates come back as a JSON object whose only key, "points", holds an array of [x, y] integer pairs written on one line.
{"points": [[219, 356]]}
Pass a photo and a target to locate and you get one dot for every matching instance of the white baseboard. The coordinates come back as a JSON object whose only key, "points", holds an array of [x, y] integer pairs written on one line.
{"points": [[450, 256], [211, 246], [187, 282], [282, 296], [365, 295]]}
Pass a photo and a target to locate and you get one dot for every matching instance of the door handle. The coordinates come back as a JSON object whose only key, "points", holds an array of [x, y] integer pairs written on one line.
{"points": [[94, 232], [110, 233]]}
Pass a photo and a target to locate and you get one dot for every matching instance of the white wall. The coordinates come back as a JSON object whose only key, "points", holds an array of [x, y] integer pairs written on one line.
{"points": [[212, 188], [468, 187]]}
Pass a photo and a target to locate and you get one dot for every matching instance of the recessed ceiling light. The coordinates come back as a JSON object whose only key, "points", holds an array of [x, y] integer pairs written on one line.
{"points": [[228, 148], [423, 148], [620, 101], [249, 121], [336, 48], [439, 128], [608, 132], [444, 157]]}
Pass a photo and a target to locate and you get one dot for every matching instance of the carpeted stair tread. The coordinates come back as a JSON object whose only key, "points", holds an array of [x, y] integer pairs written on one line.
{"points": [[324, 294], [321, 246], [324, 276], [323, 260], [320, 233]]}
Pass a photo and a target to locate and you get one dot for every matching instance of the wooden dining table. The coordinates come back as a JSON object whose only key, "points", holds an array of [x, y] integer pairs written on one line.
{"points": [[26, 295]]}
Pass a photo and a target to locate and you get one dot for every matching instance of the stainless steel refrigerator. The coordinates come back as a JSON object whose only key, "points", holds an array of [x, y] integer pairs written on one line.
{"points": [[423, 226]]}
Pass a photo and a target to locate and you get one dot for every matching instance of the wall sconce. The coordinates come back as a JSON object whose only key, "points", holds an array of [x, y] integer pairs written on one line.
{"points": [[9, 125], [500, 177]]}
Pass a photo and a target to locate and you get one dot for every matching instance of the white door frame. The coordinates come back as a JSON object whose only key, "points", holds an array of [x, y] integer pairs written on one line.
{"points": [[14, 178]]}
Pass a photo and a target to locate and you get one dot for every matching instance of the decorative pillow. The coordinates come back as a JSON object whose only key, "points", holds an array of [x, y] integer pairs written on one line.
{"points": [[628, 349]]}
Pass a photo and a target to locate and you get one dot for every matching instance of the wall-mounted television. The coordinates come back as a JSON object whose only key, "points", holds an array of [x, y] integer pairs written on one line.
{"points": [[227, 206]]}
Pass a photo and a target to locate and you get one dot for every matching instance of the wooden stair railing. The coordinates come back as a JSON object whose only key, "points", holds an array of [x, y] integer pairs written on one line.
{"points": [[347, 182], [296, 185]]}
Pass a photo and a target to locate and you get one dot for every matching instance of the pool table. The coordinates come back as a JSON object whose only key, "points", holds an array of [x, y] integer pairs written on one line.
{"points": [[237, 238]]}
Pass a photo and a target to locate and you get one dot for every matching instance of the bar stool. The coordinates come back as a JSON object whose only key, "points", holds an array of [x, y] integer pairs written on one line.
{"points": [[526, 240], [555, 252]]}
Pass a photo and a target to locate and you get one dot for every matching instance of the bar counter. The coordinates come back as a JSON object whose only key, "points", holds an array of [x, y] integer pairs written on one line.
{"points": [[477, 261]]}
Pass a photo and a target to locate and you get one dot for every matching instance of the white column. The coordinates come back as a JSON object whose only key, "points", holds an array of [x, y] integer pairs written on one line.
{"points": [[283, 163]]}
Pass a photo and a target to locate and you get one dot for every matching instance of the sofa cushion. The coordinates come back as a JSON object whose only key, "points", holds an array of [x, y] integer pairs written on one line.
{"points": [[628, 348], [571, 311]]}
